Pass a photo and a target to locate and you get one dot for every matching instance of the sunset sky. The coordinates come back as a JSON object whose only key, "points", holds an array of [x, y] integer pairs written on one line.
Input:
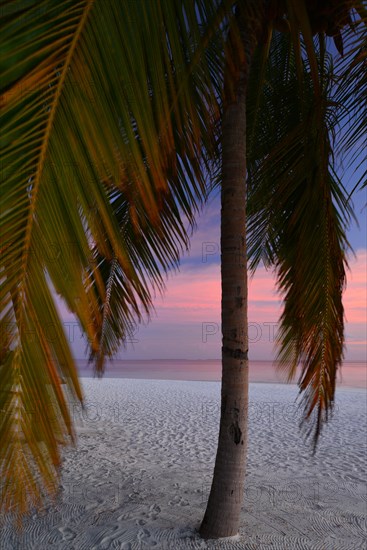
{"points": [[186, 322]]}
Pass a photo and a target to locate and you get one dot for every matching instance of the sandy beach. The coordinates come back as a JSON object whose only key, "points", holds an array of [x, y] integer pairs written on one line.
{"points": [[140, 474]]}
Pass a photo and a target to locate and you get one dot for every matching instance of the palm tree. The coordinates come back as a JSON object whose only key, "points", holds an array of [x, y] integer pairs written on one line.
{"points": [[298, 215], [105, 138]]}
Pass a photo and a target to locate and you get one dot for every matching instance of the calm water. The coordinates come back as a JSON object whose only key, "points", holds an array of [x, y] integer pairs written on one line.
{"points": [[351, 374]]}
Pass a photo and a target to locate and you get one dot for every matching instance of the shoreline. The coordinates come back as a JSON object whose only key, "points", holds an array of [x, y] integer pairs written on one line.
{"points": [[353, 374], [339, 386]]}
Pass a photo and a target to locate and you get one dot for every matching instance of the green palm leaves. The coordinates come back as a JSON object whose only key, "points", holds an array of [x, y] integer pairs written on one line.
{"points": [[100, 157], [298, 217]]}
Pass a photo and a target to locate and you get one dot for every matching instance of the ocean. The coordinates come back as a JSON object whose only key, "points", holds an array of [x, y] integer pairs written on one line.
{"points": [[352, 374]]}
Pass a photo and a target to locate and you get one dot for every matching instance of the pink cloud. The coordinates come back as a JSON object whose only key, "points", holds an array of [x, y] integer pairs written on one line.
{"points": [[355, 296], [196, 292], [193, 296]]}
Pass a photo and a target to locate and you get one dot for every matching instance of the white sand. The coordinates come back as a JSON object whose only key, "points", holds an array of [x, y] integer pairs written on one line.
{"points": [[140, 474]]}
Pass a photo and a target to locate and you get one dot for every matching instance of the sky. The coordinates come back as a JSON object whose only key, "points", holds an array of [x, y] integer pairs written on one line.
{"points": [[186, 321]]}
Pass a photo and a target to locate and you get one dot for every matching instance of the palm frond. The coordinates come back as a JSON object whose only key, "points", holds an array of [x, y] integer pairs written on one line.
{"points": [[352, 94], [154, 252], [91, 109], [298, 216]]}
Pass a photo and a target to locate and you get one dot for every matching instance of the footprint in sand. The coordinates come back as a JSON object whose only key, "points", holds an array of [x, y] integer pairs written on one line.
{"points": [[179, 500], [152, 514], [175, 500], [130, 460], [67, 533], [154, 511], [143, 535]]}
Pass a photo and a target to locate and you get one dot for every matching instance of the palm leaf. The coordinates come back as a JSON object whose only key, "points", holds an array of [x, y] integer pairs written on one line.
{"points": [[298, 216], [352, 94], [91, 111], [152, 251]]}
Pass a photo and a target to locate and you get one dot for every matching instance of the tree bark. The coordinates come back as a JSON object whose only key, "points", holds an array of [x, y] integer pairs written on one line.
{"points": [[223, 511], [225, 501]]}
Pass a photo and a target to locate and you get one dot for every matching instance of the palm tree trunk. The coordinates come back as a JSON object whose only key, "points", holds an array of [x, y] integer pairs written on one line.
{"points": [[222, 515], [225, 501]]}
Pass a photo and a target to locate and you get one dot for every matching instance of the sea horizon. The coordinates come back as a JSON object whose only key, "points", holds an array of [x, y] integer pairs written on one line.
{"points": [[351, 373]]}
